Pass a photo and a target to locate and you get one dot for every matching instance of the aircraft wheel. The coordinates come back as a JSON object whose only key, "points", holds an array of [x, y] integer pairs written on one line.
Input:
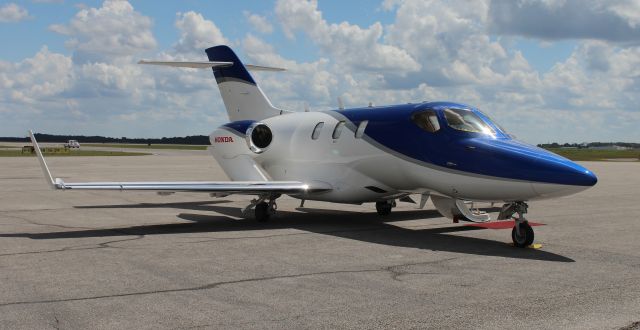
{"points": [[526, 235], [383, 208], [262, 212]]}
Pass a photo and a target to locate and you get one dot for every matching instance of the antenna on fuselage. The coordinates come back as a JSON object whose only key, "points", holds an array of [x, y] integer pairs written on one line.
{"points": [[370, 104], [340, 103], [306, 107]]}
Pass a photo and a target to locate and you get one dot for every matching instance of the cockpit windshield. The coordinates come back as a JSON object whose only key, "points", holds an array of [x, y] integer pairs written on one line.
{"points": [[468, 121], [495, 123]]}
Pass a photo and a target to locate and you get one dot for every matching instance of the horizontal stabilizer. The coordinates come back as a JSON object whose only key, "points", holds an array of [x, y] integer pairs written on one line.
{"points": [[263, 68], [209, 64], [194, 65]]}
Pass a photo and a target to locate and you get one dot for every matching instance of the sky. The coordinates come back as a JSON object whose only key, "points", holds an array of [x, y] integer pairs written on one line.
{"points": [[547, 71]]}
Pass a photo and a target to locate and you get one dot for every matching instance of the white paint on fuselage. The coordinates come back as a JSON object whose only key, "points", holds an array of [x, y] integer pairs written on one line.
{"points": [[350, 164]]}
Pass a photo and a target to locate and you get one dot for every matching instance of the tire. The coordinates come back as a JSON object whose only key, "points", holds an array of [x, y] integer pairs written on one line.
{"points": [[526, 235], [383, 208], [262, 212]]}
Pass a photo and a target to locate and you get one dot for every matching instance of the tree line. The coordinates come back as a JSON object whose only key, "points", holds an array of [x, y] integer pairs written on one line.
{"points": [[51, 138], [589, 145]]}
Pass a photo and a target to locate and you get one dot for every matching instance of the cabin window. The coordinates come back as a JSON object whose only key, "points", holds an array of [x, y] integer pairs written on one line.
{"points": [[361, 128], [427, 120], [466, 120], [338, 130], [317, 130]]}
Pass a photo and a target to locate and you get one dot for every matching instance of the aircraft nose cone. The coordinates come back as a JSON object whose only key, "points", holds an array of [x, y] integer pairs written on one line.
{"points": [[564, 171], [587, 178], [570, 178], [542, 168], [555, 176]]}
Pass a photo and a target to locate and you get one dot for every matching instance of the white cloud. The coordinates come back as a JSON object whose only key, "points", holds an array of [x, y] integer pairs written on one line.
{"points": [[348, 44], [100, 85], [597, 77], [616, 20], [302, 82], [44, 75], [197, 33], [390, 4], [108, 33], [628, 10], [11, 13], [259, 23]]}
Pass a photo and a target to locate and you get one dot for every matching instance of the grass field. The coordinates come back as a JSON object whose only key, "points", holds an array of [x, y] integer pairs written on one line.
{"points": [[8, 147], [144, 146], [596, 155], [72, 153]]}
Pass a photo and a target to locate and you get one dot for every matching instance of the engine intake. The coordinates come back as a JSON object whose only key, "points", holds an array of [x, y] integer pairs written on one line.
{"points": [[259, 137]]}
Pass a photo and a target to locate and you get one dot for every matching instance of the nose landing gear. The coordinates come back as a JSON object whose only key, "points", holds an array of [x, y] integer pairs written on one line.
{"points": [[522, 233]]}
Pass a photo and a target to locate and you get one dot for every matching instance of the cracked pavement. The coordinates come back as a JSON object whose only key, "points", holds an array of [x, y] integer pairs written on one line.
{"points": [[71, 260]]}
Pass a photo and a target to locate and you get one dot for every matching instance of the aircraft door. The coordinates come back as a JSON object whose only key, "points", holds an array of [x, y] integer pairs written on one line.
{"points": [[435, 142]]}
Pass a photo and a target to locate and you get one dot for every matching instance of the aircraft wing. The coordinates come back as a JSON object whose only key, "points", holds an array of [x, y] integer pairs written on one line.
{"points": [[227, 187]]}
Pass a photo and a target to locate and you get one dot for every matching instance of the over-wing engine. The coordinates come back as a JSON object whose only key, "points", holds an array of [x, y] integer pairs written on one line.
{"points": [[234, 146], [258, 137]]}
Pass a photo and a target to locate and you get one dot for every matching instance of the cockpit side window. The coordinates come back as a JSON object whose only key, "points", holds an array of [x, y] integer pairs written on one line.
{"points": [[360, 130], [338, 130], [427, 120], [317, 130], [466, 120]]}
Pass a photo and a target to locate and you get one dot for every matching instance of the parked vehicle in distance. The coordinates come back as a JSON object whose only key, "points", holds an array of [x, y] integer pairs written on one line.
{"points": [[72, 144]]}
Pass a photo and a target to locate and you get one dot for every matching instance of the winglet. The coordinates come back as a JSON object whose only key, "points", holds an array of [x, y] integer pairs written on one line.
{"points": [[53, 184]]}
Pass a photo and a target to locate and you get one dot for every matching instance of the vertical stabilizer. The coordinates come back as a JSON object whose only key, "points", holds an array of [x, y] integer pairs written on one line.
{"points": [[242, 97]]}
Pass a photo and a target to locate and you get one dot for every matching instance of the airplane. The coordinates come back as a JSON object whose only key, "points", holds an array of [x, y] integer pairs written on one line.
{"points": [[449, 152]]}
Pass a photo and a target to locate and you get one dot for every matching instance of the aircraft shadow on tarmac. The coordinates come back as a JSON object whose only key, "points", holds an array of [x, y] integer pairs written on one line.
{"points": [[365, 227]]}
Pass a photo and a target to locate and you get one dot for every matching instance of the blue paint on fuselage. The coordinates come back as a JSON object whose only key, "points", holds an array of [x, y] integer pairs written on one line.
{"points": [[496, 155], [240, 127]]}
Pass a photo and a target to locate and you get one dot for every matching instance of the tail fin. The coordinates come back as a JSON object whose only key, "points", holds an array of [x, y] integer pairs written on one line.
{"points": [[242, 97]]}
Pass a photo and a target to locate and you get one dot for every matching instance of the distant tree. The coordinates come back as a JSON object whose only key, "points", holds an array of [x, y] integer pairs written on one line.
{"points": [[193, 140]]}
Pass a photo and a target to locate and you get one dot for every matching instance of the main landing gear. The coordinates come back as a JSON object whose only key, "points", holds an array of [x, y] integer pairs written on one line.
{"points": [[263, 208], [384, 207], [522, 233]]}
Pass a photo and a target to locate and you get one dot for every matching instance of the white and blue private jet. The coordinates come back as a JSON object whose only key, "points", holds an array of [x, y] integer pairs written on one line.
{"points": [[450, 152]]}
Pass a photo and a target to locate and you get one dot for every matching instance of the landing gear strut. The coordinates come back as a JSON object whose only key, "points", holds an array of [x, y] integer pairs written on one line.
{"points": [[384, 207], [522, 233], [262, 210]]}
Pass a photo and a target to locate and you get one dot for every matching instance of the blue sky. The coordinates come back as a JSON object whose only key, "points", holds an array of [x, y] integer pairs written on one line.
{"points": [[553, 70]]}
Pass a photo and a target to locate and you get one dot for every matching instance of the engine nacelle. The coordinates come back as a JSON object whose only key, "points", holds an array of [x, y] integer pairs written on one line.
{"points": [[235, 151], [259, 137], [453, 208]]}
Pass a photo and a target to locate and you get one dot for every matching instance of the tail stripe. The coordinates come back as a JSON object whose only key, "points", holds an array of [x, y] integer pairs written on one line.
{"points": [[236, 72]]}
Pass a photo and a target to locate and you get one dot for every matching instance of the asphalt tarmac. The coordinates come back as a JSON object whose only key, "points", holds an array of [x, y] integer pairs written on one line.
{"points": [[138, 260]]}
